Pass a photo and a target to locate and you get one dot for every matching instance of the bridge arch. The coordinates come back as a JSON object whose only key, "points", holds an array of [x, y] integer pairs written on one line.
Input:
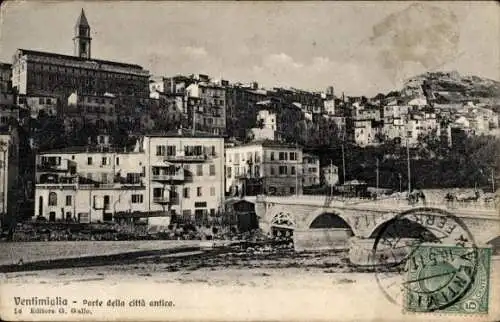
{"points": [[403, 227], [324, 218]]}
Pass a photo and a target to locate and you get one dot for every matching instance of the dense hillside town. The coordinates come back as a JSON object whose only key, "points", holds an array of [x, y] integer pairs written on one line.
{"points": [[90, 140]]}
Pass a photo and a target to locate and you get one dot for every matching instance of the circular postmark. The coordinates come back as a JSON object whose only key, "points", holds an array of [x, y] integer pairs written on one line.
{"points": [[425, 259]]}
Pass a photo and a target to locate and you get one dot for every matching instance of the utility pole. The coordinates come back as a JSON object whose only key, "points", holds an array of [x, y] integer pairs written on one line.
{"points": [[493, 180], [194, 120], [297, 169], [377, 175], [330, 172], [343, 163], [408, 163]]}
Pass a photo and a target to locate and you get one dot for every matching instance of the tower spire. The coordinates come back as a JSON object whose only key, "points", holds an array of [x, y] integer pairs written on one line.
{"points": [[82, 39], [82, 20]]}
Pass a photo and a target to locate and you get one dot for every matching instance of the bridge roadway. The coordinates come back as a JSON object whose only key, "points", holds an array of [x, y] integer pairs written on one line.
{"points": [[364, 216]]}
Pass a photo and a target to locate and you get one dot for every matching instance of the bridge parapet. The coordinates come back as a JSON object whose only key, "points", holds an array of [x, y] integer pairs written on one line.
{"points": [[394, 203]]}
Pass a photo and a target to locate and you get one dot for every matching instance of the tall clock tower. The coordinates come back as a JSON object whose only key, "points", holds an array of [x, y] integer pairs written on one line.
{"points": [[82, 37]]}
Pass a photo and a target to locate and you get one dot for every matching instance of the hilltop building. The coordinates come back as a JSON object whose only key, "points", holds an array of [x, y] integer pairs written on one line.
{"points": [[36, 73]]}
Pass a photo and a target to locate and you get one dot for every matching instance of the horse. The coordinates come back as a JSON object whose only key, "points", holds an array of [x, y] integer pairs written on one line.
{"points": [[415, 196]]}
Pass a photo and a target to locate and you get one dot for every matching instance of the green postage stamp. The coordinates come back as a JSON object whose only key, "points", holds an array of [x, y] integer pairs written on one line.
{"points": [[448, 279]]}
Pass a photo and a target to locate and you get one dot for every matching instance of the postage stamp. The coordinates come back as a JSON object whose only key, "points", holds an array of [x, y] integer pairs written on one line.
{"points": [[448, 279], [426, 260]]}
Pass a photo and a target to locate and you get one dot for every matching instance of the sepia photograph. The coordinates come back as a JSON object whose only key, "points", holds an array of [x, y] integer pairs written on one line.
{"points": [[249, 161]]}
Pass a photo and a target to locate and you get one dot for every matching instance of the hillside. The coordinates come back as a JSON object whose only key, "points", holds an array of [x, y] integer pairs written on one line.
{"points": [[451, 87]]}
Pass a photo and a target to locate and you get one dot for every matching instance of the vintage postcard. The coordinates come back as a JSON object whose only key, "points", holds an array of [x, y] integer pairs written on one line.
{"points": [[249, 161]]}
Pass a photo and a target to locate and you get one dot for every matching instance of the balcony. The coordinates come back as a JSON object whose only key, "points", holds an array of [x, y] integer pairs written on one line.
{"points": [[168, 177], [56, 186], [166, 200], [189, 158]]}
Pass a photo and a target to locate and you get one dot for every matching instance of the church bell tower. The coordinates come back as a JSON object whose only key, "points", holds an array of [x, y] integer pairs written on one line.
{"points": [[82, 37]]}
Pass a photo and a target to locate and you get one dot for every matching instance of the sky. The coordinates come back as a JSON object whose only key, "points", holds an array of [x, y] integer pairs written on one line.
{"points": [[360, 48]]}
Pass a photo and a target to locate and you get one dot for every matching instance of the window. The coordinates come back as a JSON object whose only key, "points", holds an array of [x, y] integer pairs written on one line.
{"points": [[198, 191], [157, 192], [272, 156], [292, 189], [171, 150], [292, 170], [199, 170], [212, 191], [185, 193], [89, 160], [104, 178], [272, 171], [106, 201], [212, 169], [160, 150], [104, 161], [117, 161], [137, 199], [283, 156], [282, 169], [236, 158], [257, 171], [52, 199], [293, 156], [229, 172]]}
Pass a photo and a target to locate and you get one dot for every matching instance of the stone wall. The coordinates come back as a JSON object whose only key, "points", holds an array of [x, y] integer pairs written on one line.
{"points": [[321, 239]]}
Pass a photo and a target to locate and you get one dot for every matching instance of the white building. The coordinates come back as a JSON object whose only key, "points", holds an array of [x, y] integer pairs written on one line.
{"points": [[166, 175], [276, 167], [9, 160], [185, 174], [330, 175], [266, 129], [310, 170]]}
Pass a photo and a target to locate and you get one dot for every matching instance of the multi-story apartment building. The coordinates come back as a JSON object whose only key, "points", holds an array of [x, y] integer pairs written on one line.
{"points": [[98, 110], [185, 174], [208, 103], [9, 168], [47, 104], [310, 170], [5, 78], [88, 184], [45, 73], [366, 132], [167, 175], [274, 167]]}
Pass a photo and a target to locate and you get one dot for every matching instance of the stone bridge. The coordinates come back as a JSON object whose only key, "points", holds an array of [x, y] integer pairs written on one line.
{"points": [[365, 217]]}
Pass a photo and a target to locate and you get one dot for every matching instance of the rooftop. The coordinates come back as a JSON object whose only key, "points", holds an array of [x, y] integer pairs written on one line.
{"points": [[269, 144], [182, 133], [47, 54], [85, 149]]}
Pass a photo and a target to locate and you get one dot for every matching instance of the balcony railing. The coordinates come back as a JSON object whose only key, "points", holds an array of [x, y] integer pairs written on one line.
{"points": [[164, 200], [56, 186], [188, 158], [168, 177]]}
